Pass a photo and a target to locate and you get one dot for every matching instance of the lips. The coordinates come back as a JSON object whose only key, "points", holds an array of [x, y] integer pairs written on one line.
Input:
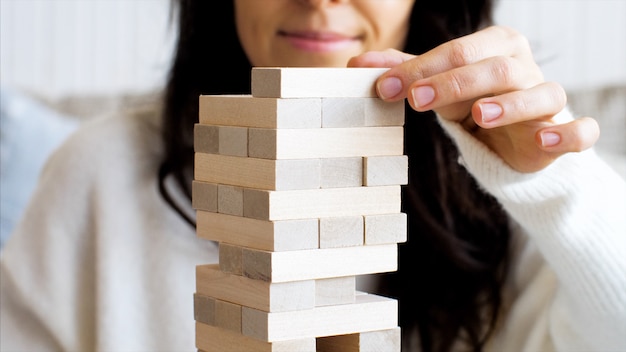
{"points": [[318, 41]]}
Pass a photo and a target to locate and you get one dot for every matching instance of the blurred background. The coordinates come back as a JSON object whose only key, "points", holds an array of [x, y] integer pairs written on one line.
{"points": [[65, 61], [57, 48]]}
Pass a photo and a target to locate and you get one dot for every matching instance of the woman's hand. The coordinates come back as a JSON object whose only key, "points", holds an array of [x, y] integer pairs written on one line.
{"points": [[489, 82]]}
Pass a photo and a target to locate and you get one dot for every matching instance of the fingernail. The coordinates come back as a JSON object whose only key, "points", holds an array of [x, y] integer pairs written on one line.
{"points": [[389, 87], [423, 95], [549, 139], [490, 111]]}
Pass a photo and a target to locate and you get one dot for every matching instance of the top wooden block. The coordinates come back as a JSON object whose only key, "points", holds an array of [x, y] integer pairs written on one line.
{"points": [[314, 82]]}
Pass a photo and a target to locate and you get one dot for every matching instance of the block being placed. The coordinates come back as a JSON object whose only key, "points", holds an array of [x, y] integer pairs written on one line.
{"points": [[361, 112], [247, 111], [284, 235], [307, 82]]}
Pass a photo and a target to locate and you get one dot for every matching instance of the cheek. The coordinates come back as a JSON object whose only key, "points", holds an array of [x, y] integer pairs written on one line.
{"points": [[389, 26]]}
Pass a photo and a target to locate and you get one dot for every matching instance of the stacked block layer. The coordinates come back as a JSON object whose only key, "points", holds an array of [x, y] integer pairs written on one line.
{"points": [[299, 183]]}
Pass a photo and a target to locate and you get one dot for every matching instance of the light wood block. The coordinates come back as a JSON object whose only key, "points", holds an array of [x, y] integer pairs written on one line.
{"points": [[386, 170], [204, 196], [368, 313], [228, 315], [247, 111], [206, 139], [230, 200], [307, 82], [361, 112], [257, 173], [214, 339], [319, 203], [231, 258], [314, 264], [204, 309], [381, 113], [341, 172], [258, 294], [286, 235], [385, 228], [371, 341], [343, 112], [335, 290], [341, 231], [268, 143], [233, 140]]}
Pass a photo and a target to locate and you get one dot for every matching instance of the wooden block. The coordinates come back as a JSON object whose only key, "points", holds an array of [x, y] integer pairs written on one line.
{"points": [[370, 341], [205, 139], [308, 82], [368, 313], [257, 173], [214, 339], [381, 113], [341, 172], [204, 196], [233, 140], [258, 294], [314, 264], [335, 290], [228, 315], [230, 259], [343, 112], [230, 200], [385, 170], [247, 111], [341, 231], [361, 112], [204, 309], [319, 203], [385, 228], [269, 143], [276, 236]]}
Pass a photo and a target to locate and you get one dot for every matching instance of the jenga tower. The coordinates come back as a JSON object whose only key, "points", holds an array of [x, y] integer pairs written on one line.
{"points": [[299, 183]]}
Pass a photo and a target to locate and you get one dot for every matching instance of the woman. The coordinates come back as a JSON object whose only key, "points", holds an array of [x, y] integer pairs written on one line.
{"points": [[509, 246]]}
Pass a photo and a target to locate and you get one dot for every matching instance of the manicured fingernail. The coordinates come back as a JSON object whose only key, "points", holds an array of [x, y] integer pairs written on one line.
{"points": [[549, 139], [389, 87], [423, 95], [490, 111]]}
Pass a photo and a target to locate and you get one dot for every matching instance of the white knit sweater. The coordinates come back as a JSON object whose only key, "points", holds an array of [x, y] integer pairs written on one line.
{"points": [[101, 263]]}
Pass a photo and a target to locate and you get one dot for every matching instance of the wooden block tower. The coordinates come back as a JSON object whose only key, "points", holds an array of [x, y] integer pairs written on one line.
{"points": [[299, 183]]}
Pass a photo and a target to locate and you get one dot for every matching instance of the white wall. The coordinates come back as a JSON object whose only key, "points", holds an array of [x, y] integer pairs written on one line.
{"points": [[61, 47]]}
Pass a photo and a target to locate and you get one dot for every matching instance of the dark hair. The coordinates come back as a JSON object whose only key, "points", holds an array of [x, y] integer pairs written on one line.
{"points": [[452, 268]]}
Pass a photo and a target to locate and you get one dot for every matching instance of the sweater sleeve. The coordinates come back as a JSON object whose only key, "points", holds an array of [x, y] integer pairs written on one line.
{"points": [[574, 211]]}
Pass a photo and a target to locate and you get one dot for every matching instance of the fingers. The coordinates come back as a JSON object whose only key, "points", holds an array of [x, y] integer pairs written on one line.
{"points": [[539, 102], [574, 136], [461, 52]]}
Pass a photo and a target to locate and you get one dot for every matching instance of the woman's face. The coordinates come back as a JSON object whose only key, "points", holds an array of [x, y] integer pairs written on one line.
{"points": [[319, 32]]}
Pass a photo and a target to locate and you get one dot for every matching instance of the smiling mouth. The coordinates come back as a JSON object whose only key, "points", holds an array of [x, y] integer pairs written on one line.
{"points": [[318, 41]]}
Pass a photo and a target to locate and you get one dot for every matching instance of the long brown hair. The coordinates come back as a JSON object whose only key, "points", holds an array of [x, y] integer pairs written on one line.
{"points": [[452, 268]]}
